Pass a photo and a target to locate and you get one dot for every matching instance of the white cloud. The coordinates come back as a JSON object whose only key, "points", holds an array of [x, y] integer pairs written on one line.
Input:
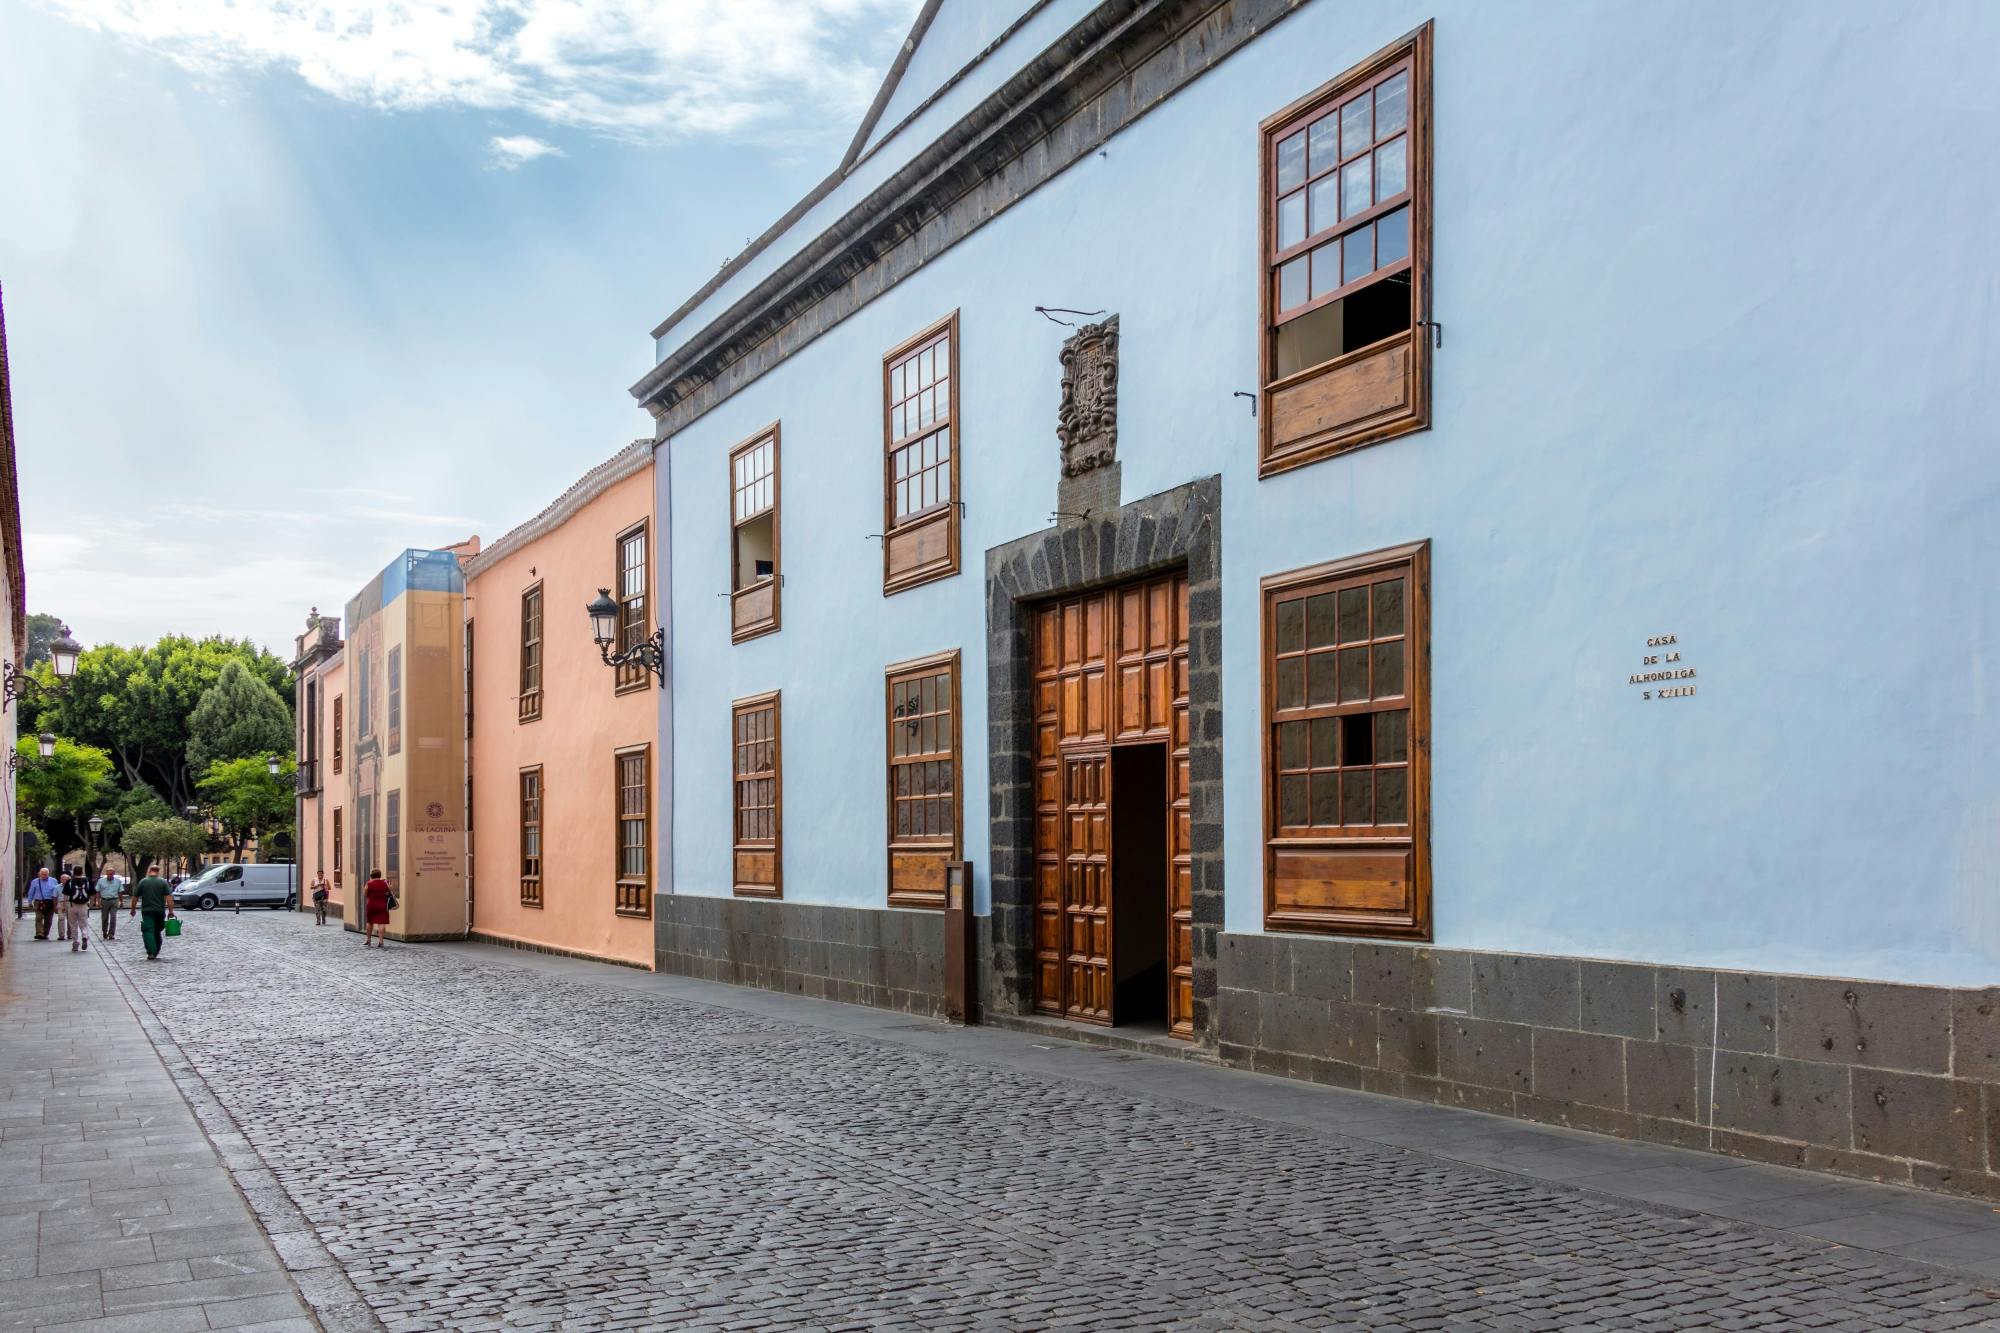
{"points": [[639, 69], [513, 150]]}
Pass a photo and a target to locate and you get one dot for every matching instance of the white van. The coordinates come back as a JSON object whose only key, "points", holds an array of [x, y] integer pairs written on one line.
{"points": [[236, 883]]}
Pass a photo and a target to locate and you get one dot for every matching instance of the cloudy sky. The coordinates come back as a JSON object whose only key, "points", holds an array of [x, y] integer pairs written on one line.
{"points": [[294, 284]]}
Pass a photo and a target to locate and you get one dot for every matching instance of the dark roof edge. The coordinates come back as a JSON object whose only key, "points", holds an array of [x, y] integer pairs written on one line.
{"points": [[1034, 80], [10, 503], [986, 53], [784, 224], [888, 88]]}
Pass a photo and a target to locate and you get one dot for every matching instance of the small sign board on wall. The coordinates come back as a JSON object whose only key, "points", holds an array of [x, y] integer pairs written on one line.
{"points": [[1662, 673]]}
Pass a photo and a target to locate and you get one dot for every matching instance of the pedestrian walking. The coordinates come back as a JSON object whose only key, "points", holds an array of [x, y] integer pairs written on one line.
{"points": [[108, 891], [62, 899], [321, 891], [152, 903], [43, 891], [377, 900], [76, 909]]}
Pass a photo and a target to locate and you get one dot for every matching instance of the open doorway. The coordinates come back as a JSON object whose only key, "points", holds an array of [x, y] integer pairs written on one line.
{"points": [[1140, 903]]}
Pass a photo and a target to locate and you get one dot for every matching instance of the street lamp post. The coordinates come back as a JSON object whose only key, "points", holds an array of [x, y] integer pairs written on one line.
{"points": [[275, 766], [62, 657], [90, 852], [650, 653]]}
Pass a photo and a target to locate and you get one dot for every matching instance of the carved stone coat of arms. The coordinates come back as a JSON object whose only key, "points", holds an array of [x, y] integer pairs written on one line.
{"points": [[1087, 422]]}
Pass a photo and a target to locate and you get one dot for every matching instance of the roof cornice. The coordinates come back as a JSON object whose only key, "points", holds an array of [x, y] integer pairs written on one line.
{"points": [[632, 458], [1120, 61]]}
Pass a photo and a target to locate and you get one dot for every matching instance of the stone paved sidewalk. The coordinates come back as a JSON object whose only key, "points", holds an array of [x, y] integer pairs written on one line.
{"points": [[116, 1213], [483, 1139]]}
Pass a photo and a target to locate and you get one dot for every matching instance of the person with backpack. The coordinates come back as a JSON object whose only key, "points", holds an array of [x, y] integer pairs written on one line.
{"points": [[321, 891], [77, 894]]}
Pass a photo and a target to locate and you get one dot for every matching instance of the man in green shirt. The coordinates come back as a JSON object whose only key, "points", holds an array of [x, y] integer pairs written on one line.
{"points": [[152, 903]]}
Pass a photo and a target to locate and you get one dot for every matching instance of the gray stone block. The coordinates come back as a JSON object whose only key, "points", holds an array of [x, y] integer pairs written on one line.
{"points": [[1666, 1081], [1617, 998], [1684, 1006], [1523, 988], [1486, 1054], [1913, 1115], [1323, 968], [1382, 975], [1786, 1099], [1407, 1043], [1746, 1012], [1237, 1013], [1295, 1024], [1443, 980], [1869, 1023], [1581, 1067], [1975, 1034], [1351, 1033]]}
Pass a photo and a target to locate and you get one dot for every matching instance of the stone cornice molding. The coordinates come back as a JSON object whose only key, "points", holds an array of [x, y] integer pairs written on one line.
{"points": [[1122, 60], [632, 458]]}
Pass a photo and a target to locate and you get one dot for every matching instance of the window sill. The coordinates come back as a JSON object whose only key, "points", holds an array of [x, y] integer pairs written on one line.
{"points": [[920, 550], [1372, 394]]}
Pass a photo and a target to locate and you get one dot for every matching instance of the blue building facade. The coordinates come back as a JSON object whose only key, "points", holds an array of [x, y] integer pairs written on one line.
{"points": [[1442, 548]]}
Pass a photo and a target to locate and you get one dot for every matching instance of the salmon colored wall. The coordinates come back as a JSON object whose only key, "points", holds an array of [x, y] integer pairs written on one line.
{"points": [[583, 723], [316, 811]]}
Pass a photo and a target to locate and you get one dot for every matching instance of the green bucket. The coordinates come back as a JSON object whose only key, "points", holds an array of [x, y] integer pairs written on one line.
{"points": [[173, 925]]}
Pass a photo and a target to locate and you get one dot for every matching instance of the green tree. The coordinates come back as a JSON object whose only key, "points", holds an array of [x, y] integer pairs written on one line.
{"points": [[238, 716], [60, 793], [247, 800], [42, 631], [161, 840], [136, 703]]}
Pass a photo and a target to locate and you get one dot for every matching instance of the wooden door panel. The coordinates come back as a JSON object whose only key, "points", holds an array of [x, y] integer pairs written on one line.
{"points": [[1087, 886]]}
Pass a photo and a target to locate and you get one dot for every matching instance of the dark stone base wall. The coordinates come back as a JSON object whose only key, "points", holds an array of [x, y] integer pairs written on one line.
{"points": [[885, 957], [1871, 1079]]}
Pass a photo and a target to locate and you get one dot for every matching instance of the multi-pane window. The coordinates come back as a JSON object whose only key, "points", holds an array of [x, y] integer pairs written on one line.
{"points": [[920, 471], [755, 779], [337, 843], [365, 863], [753, 521], [392, 837], [923, 779], [468, 678], [1345, 224], [631, 597], [531, 654], [395, 699], [339, 750], [634, 818], [531, 837], [1346, 666], [364, 696]]}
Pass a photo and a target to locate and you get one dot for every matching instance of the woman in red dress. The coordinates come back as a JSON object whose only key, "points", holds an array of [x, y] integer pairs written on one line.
{"points": [[375, 911]]}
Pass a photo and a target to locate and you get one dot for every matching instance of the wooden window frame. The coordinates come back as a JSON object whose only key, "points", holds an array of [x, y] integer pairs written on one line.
{"points": [[1373, 393], [916, 866], [392, 837], [633, 675], [632, 896], [393, 669], [339, 832], [533, 656], [754, 607], [774, 846], [532, 870], [1412, 918], [468, 677], [926, 541], [339, 749]]}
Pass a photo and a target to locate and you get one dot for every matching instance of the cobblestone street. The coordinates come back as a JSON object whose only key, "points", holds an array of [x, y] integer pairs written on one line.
{"points": [[485, 1140]]}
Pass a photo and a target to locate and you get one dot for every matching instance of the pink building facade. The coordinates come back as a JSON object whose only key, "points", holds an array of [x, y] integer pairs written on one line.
{"points": [[563, 749]]}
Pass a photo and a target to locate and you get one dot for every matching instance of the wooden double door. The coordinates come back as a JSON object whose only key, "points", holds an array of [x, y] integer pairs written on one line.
{"points": [[1113, 874]]}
